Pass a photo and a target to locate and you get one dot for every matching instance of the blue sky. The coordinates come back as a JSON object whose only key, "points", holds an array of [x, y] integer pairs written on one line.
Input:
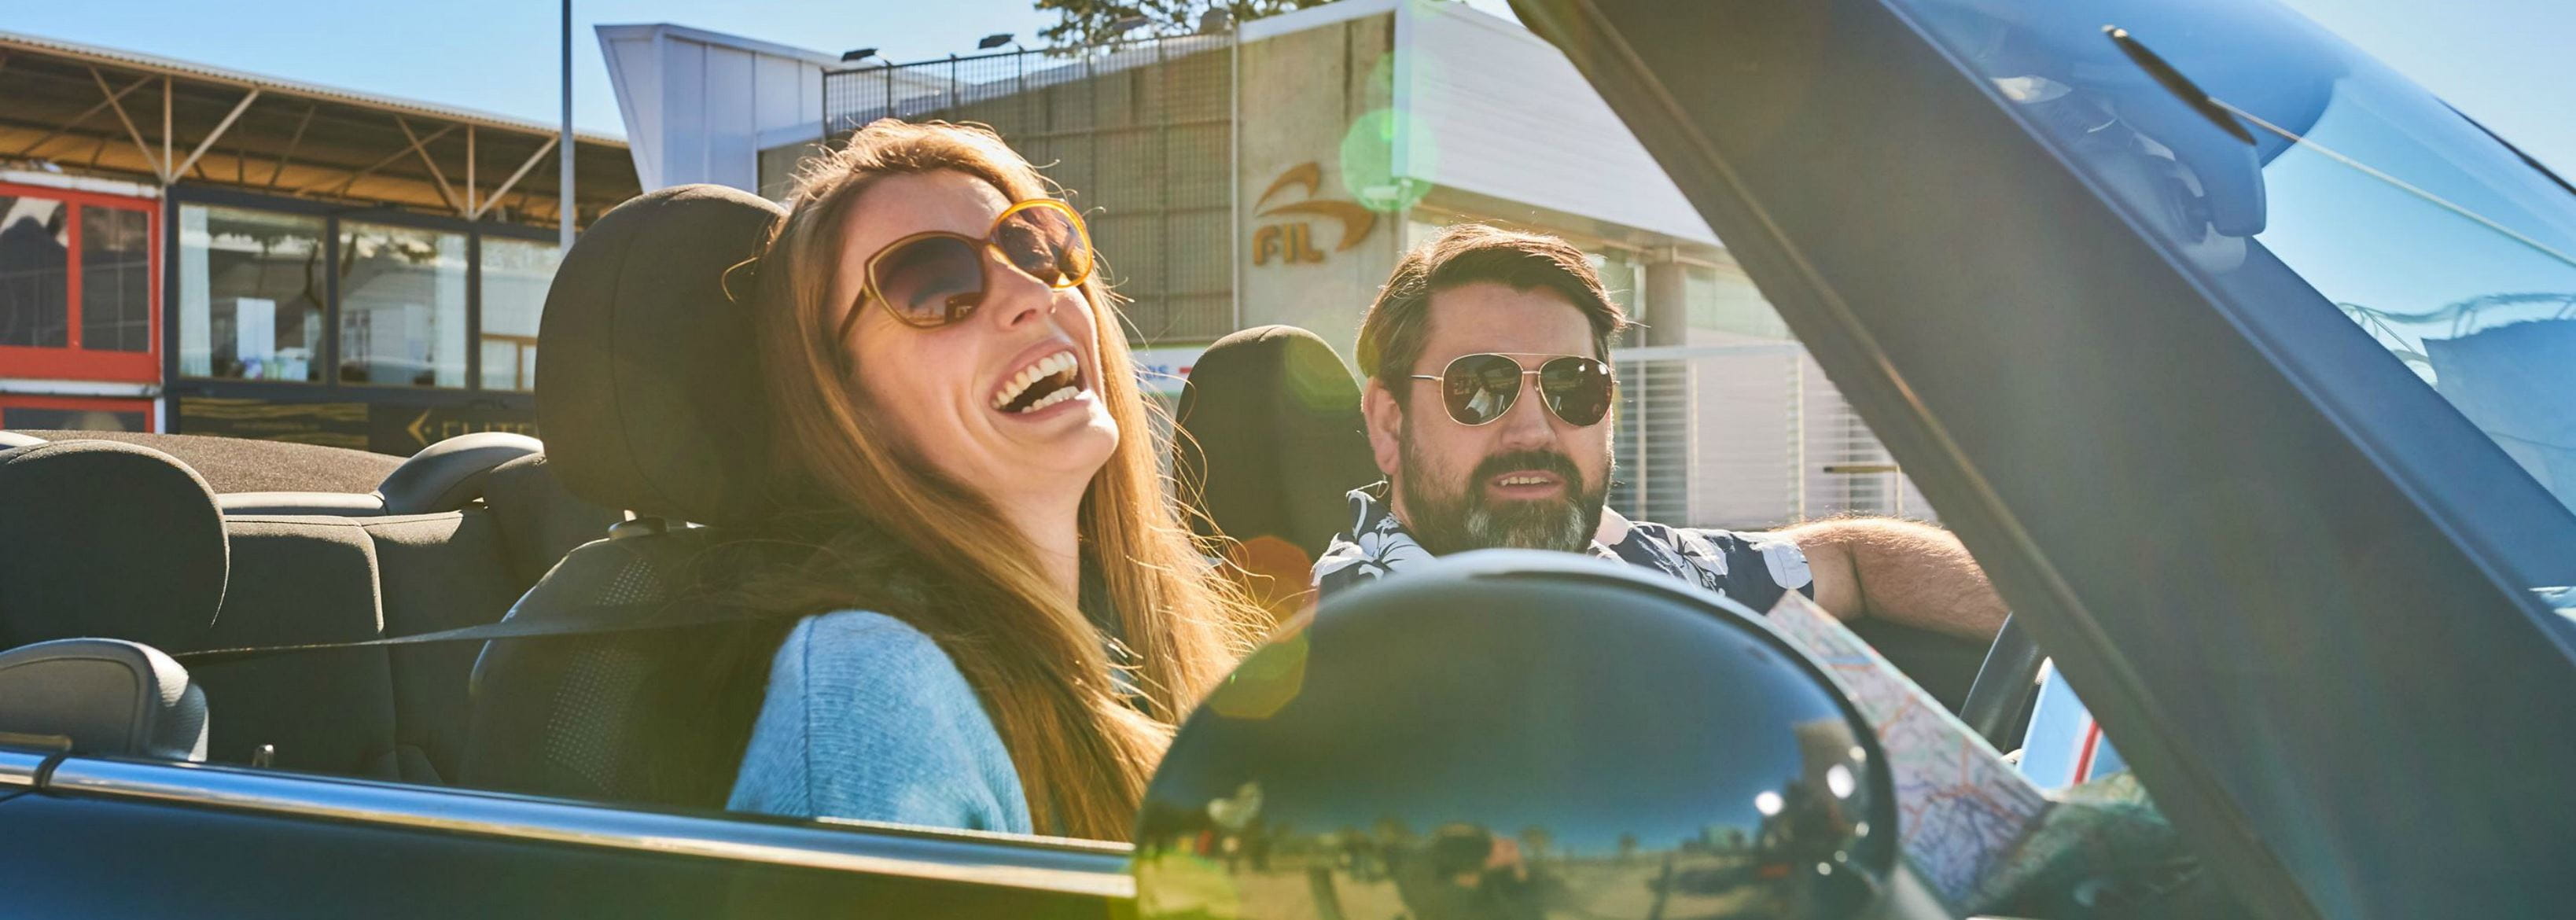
{"points": [[2506, 62]]}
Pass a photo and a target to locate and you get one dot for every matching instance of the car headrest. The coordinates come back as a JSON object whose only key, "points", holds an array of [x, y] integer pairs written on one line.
{"points": [[106, 696], [647, 382], [1275, 437], [446, 475], [101, 538]]}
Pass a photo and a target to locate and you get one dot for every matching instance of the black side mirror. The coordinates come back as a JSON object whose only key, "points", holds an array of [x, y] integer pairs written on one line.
{"points": [[101, 697], [1516, 734]]}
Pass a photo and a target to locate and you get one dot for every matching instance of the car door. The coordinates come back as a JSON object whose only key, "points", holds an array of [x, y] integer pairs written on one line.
{"points": [[124, 838], [2240, 363]]}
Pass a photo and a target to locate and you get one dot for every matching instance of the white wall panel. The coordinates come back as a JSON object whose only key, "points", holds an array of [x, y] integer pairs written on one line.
{"points": [[634, 72], [1497, 111], [699, 105], [730, 99]]}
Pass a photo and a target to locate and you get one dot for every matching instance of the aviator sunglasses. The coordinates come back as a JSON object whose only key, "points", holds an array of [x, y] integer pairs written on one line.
{"points": [[934, 278], [1479, 388]]}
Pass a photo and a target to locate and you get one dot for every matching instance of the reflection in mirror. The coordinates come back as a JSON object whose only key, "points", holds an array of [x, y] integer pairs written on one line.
{"points": [[1509, 735]]}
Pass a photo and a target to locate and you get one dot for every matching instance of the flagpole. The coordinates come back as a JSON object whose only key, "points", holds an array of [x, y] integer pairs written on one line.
{"points": [[564, 150]]}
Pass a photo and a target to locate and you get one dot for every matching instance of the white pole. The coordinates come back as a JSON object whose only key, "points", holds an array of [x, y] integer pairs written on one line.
{"points": [[565, 148]]}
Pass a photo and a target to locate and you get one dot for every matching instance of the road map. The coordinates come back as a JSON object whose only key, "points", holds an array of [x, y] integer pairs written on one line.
{"points": [[1962, 811]]}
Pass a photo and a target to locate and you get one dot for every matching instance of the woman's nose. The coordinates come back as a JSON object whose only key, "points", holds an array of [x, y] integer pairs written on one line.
{"points": [[1012, 298]]}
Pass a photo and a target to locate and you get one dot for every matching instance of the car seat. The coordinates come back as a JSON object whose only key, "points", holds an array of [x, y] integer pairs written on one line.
{"points": [[649, 394], [1271, 440]]}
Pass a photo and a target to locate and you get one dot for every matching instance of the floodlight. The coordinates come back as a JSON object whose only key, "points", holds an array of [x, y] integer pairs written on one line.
{"points": [[860, 54], [994, 40]]}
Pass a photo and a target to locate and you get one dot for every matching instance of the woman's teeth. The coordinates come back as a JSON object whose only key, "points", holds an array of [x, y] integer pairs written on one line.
{"points": [[1057, 371], [1061, 394]]}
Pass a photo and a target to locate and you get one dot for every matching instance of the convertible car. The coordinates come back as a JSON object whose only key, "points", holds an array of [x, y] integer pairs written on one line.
{"points": [[2245, 367]]}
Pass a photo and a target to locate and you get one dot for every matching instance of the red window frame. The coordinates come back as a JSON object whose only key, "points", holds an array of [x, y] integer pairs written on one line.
{"points": [[151, 408], [73, 362]]}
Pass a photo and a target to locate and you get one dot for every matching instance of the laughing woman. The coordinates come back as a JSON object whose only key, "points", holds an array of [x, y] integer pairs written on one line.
{"points": [[1021, 616]]}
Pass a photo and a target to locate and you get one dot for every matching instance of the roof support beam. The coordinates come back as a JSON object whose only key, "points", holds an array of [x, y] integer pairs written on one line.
{"points": [[75, 120], [292, 143], [445, 191], [506, 184], [130, 129], [167, 99], [380, 164], [220, 128]]}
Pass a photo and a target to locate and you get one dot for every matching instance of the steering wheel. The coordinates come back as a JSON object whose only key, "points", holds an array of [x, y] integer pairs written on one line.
{"points": [[1999, 699]]}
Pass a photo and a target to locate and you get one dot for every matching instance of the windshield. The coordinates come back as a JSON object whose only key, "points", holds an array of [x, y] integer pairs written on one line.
{"points": [[2434, 239]]}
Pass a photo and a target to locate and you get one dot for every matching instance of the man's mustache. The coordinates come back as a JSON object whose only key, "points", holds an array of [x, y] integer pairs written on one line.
{"points": [[1544, 461]]}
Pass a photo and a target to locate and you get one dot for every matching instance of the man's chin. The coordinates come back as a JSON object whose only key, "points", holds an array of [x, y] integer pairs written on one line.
{"points": [[1553, 524]]}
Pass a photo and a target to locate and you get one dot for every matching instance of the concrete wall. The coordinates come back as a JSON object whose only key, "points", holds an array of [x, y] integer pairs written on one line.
{"points": [[1316, 104]]}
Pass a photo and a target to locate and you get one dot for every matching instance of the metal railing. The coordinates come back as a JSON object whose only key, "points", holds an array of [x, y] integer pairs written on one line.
{"points": [[1745, 436], [1139, 134]]}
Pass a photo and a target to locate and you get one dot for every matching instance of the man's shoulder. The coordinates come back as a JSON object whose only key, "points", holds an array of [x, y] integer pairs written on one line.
{"points": [[1752, 565]]}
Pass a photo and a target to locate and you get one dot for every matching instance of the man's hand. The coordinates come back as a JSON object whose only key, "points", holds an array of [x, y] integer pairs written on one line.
{"points": [[1908, 573]]}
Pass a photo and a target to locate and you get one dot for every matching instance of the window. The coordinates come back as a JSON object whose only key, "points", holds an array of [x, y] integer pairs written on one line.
{"points": [[250, 294], [35, 272], [1624, 279], [402, 306], [1722, 299], [516, 274], [116, 279]]}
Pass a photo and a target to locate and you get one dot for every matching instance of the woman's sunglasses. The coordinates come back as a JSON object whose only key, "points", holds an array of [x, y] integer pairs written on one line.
{"points": [[1479, 388], [934, 278]]}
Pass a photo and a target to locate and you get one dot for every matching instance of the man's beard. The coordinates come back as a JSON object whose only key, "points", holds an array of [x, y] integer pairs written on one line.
{"points": [[1465, 519]]}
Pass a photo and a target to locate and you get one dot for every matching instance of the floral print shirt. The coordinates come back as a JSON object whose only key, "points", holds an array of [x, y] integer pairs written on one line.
{"points": [[1753, 568]]}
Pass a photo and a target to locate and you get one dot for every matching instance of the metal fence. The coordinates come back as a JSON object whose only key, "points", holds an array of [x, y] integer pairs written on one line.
{"points": [[1745, 436], [1139, 134]]}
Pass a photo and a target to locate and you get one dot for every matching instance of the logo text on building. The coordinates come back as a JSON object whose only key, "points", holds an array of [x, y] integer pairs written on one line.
{"points": [[1290, 240]]}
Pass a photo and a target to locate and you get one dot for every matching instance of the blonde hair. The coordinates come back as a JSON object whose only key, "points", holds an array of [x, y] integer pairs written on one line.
{"points": [[1083, 751]]}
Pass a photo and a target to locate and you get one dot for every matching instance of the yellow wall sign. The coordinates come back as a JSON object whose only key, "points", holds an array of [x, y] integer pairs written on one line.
{"points": [[1291, 241]]}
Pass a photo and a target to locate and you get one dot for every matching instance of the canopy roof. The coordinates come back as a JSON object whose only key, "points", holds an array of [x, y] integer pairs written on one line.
{"points": [[84, 109]]}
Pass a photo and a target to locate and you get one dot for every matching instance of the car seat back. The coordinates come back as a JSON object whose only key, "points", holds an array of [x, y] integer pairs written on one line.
{"points": [[110, 540], [1270, 441], [651, 401]]}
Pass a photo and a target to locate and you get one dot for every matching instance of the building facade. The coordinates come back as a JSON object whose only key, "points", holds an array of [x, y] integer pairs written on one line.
{"points": [[1274, 173], [203, 251]]}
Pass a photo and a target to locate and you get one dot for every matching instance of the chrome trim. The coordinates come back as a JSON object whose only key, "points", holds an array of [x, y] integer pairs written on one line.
{"points": [[18, 769], [1039, 864]]}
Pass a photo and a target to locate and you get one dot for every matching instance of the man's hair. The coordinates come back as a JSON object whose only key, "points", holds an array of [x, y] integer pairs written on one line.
{"points": [[1392, 332]]}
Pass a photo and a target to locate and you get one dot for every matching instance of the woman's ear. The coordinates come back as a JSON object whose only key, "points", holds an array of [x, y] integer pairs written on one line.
{"points": [[1385, 417]]}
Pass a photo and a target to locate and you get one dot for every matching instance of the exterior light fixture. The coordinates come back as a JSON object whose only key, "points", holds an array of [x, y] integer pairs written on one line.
{"points": [[995, 40], [859, 54]]}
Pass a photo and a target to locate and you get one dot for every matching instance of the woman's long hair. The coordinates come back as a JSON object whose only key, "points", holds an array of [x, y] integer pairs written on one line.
{"points": [[1083, 751]]}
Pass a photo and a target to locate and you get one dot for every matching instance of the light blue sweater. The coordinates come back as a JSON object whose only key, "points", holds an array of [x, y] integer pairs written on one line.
{"points": [[866, 718]]}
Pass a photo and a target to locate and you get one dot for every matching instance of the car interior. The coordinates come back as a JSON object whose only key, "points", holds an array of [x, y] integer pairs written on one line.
{"points": [[130, 549]]}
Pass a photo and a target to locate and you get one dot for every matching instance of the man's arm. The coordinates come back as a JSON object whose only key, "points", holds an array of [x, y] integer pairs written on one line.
{"points": [[1908, 573]]}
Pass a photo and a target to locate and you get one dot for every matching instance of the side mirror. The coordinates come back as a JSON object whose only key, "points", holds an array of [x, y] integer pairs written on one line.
{"points": [[1515, 734], [101, 697]]}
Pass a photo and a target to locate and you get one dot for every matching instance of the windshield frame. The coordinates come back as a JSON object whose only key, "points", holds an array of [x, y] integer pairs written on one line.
{"points": [[2011, 354]]}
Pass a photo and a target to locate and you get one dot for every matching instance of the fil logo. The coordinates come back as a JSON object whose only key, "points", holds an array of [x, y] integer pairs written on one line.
{"points": [[1292, 241]]}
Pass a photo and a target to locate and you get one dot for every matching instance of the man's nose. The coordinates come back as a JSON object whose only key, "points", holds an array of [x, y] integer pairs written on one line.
{"points": [[1526, 423]]}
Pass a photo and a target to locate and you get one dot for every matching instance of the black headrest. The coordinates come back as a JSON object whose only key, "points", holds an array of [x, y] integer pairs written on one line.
{"points": [[647, 385], [101, 538], [446, 475], [109, 697], [1275, 417]]}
